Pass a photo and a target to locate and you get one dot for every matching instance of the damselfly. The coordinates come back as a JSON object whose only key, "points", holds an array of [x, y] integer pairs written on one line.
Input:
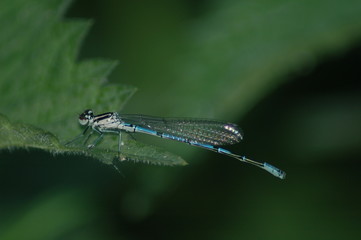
{"points": [[208, 134]]}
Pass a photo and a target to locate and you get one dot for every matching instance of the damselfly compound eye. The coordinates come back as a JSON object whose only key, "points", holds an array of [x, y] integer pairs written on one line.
{"points": [[83, 121], [86, 117]]}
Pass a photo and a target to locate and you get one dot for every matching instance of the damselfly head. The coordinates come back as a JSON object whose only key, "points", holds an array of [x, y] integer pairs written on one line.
{"points": [[86, 117]]}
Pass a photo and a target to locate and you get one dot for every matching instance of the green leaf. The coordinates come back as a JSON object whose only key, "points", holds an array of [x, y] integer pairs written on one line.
{"points": [[43, 86], [19, 135]]}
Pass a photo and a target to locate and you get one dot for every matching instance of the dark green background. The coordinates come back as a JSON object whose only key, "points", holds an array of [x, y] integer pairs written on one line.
{"points": [[309, 126]]}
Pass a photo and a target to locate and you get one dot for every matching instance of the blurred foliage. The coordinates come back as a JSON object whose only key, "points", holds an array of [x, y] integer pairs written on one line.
{"points": [[36, 220], [224, 60], [219, 59]]}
